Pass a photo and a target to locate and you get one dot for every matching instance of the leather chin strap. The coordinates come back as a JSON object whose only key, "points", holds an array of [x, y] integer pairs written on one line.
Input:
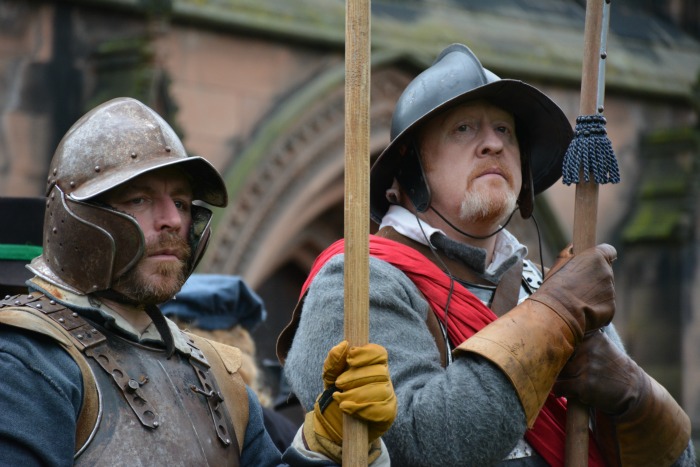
{"points": [[158, 319], [411, 177]]}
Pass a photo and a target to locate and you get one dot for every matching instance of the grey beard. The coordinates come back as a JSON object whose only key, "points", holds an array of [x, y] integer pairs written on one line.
{"points": [[478, 208]]}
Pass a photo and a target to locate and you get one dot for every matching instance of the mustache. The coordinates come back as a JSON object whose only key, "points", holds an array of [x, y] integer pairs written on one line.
{"points": [[169, 241], [484, 168]]}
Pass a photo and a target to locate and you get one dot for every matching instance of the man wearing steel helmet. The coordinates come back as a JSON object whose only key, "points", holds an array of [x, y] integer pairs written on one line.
{"points": [[478, 343], [93, 373]]}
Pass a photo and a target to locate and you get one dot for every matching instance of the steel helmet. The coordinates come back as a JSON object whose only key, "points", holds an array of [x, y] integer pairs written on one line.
{"points": [[87, 245], [455, 77]]}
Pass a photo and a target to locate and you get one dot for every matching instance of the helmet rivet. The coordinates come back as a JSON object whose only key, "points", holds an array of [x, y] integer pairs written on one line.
{"points": [[54, 230], [97, 168], [72, 184], [167, 149], [133, 155], [55, 171]]}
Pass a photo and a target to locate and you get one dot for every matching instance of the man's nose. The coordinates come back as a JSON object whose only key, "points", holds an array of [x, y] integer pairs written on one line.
{"points": [[167, 215], [491, 142]]}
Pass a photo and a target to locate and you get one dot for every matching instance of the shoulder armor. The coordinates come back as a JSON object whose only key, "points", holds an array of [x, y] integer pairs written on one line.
{"points": [[37, 313]]}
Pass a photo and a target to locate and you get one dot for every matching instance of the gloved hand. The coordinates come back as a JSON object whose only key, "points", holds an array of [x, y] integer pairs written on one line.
{"points": [[356, 382], [602, 376], [650, 427], [532, 342], [581, 289]]}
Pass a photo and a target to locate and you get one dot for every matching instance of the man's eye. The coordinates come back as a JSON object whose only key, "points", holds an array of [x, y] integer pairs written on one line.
{"points": [[183, 206], [463, 127]]}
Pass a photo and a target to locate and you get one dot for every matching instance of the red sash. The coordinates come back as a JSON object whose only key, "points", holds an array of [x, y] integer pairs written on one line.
{"points": [[467, 316]]}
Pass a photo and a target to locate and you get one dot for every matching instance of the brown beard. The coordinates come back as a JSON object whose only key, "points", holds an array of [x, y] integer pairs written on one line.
{"points": [[170, 276]]}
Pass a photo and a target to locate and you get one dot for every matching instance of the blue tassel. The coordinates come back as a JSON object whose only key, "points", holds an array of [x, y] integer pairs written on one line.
{"points": [[590, 150]]}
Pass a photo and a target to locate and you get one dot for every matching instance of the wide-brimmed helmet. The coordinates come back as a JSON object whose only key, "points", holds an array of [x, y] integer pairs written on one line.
{"points": [[87, 245], [457, 76]]}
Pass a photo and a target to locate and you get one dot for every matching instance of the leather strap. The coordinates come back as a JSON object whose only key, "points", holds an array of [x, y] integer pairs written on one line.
{"points": [[36, 312], [508, 290]]}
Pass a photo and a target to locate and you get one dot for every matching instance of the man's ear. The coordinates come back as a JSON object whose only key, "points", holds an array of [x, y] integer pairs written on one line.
{"points": [[411, 177]]}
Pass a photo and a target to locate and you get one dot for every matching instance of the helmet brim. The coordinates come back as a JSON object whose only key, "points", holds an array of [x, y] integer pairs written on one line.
{"points": [[207, 184]]}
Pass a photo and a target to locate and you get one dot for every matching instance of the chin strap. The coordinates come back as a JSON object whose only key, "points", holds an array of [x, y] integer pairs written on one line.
{"points": [[159, 320], [475, 237]]}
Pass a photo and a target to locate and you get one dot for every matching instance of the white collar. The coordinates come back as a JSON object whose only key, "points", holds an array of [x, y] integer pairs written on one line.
{"points": [[409, 225]]}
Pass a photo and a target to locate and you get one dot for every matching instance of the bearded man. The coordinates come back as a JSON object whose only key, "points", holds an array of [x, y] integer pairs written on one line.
{"points": [[93, 373], [476, 338]]}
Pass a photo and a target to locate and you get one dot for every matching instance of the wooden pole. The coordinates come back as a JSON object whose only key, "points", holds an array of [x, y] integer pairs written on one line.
{"points": [[356, 214], [585, 215]]}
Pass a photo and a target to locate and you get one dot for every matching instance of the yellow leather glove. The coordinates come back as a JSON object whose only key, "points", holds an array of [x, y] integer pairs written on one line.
{"points": [[356, 382]]}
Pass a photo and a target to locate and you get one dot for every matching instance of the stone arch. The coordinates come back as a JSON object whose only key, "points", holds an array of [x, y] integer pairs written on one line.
{"points": [[287, 191]]}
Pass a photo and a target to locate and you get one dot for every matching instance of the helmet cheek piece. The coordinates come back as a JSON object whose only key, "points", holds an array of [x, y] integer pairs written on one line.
{"points": [[199, 234], [115, 244], [411, 176], [526, 197]]}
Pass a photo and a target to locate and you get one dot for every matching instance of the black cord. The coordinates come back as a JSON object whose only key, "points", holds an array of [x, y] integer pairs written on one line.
{"points": [[475, 237], [539, 244]]}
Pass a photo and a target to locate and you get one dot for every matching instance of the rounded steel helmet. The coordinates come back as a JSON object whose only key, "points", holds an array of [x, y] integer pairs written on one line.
{"points": [[457, 76], [87, 245]]}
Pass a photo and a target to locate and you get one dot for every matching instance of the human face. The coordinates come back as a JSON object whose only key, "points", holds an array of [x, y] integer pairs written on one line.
{"points": [[161, 203], [472, 162]]}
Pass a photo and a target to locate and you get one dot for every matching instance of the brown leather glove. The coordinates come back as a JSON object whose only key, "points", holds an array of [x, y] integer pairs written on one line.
{"points": [[650, 427], [581, 288], [602, 376], [533, 341], [357, 382]]}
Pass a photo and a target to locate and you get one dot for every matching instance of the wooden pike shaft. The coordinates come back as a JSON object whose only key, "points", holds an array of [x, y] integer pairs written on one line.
{"points": [[356, 215], [585, 214]]}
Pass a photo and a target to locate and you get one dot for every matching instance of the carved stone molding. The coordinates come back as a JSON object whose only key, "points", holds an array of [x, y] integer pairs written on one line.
{"points": [[294, 186]]}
